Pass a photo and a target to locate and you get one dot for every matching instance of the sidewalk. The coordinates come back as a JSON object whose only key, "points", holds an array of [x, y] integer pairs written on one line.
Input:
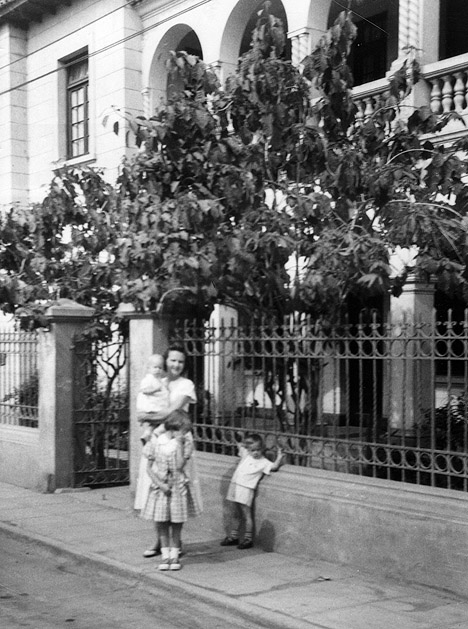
{"points": [[273, 590]]}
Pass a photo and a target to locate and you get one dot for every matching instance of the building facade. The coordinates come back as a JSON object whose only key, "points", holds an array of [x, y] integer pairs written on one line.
{"points": [[68, 67]]}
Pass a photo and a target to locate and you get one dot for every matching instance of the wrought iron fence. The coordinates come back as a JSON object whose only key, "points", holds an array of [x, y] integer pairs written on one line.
{"points": [[101, 412], [374, 399], [19, 382]]}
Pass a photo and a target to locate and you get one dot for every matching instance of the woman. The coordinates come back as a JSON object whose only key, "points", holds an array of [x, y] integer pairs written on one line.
{"points": [[181, 395]]}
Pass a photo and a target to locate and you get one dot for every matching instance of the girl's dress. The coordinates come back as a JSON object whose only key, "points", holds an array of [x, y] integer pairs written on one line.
{"points": [[246, 477], [181, 387], [179, 505]]}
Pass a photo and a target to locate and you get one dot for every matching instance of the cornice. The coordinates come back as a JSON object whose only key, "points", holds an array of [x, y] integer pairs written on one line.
{"points": [[22, 13]]}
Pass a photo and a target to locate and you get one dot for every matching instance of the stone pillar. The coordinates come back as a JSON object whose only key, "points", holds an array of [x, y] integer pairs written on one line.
{"points": [[149, 334], [412, 24], [333, 392], [410, 389], [219, 368], [409, 24], [300, 44], [55, 365], [147, 102]]}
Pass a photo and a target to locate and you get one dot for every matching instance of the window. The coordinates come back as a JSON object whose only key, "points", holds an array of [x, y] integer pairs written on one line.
{"points": [[77, 106], [368, 58], [453, 18]]}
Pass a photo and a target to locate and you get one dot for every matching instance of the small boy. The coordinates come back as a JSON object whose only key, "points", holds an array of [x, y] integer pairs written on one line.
{"points": [[252, 466]]}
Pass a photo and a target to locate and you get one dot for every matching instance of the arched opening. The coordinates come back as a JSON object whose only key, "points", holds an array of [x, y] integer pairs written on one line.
{"points": [[191, 44], [376, 44], [237, 33], [177, 38], [276, 9]]}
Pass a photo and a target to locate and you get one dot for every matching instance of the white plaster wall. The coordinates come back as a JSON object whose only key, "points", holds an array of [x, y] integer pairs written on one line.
{"points": [[13, 127], [114, 73]]}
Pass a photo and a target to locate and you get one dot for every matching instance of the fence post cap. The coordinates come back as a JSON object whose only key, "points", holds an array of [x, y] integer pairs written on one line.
{"points": [[126, 308], [68, 309]]}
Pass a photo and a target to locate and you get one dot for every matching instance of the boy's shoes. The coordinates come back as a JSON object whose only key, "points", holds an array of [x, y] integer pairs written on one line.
{"points": [[175, 565], [229, 541], [165, 565], [247, 543]]}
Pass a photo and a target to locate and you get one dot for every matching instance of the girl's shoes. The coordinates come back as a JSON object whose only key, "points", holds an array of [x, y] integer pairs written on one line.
{"points": [[152, 552], [174, 559], [229, 541], [165, 559]]}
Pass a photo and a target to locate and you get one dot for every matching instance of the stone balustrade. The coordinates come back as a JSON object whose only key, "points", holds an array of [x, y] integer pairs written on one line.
{"points": [[447, 92], [369, 98], [448, 81]]}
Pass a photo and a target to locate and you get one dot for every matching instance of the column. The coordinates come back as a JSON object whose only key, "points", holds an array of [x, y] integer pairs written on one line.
{"points": [[56, 376], [300, 44], [147, 105], [149, 334], [410, 47], [220, 369], [411, 387], [409, 24], [333, 393]]}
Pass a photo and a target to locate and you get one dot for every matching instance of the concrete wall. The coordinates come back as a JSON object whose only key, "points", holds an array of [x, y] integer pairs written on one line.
{"points": [[412, 533], [20, 457]]}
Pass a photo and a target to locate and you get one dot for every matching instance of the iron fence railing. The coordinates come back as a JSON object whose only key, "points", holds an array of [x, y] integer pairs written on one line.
{"points": [[381, 400], [19, 382]]}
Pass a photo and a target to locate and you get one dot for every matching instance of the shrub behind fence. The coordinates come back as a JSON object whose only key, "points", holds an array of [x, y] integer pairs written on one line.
{"points": [[19, 383]]}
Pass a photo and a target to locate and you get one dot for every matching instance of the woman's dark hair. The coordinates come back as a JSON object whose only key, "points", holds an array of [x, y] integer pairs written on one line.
{"points": [[174, 348]]}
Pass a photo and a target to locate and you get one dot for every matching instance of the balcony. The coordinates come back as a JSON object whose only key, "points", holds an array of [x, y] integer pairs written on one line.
{"points": [[444, 89]]}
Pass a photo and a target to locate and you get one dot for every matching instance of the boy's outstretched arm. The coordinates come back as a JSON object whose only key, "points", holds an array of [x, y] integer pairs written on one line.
{"points": [[278, 462]]}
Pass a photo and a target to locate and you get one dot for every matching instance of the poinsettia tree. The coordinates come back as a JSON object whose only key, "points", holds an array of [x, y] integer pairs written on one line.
{"points": [[230, 184]]}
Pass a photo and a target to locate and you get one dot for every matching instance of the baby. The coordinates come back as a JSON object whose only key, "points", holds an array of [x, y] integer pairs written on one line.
{"points": [[153, 396]]}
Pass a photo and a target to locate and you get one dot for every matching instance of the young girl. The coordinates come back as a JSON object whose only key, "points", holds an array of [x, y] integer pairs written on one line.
{"points": [[253, 465], [169, 502]]}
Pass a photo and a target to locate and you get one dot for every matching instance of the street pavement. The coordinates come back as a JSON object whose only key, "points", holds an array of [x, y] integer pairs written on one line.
{"points": [[267, 589]]}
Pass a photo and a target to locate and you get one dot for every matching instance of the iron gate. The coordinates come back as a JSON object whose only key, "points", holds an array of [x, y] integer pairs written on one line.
{"points": [[100, 412]]}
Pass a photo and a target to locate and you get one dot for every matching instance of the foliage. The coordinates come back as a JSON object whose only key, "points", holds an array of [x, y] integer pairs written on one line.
{"points": [[26, 398], [450, 425], [228, 184]]}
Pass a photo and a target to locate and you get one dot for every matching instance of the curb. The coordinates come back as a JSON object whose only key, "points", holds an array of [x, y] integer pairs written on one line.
{"points": [[264, 617]]}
